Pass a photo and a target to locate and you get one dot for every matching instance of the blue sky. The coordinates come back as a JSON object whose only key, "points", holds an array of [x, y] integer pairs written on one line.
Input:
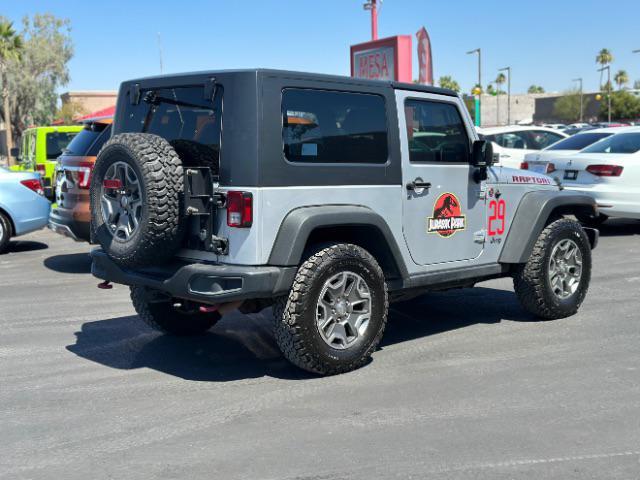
{"points": [[545, 42]]}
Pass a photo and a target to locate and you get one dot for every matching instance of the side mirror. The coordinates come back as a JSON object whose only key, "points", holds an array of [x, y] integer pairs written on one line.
{"points": [[482, 154], [15, 152]]}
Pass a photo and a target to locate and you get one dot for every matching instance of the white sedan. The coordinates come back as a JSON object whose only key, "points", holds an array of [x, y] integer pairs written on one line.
{"points": [[544, 161], [609, 171], [514, 142]]}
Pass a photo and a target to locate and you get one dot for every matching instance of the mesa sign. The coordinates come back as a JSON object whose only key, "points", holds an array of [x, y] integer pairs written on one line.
{"points": [[384, 59]]}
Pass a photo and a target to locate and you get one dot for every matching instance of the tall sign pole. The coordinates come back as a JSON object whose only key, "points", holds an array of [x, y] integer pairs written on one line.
{"points": [[372, 5], [508, 70], [477, 91]]}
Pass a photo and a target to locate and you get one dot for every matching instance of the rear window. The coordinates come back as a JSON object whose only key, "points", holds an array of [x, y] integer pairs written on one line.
{"points": [[86, 142], [191, 123], [579, 141], [620, 143], [57, 142], [334, 127]]}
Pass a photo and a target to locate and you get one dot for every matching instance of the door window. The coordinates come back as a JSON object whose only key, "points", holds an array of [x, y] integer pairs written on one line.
{"points": [[436, 132], [543, 139]]}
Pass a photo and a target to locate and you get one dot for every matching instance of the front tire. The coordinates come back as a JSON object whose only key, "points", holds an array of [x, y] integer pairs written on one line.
{"points": [[158, 312], [555, 279], [5, 232], [335, 313]]}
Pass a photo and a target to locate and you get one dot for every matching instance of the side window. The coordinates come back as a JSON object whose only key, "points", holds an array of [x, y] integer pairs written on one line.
{"points": [[543, 139], [436, 132], [333, 127], [517, 140]]}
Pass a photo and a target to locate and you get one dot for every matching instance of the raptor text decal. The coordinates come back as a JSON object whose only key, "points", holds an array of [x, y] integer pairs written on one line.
{"points": [[530, 179], [447, 218]]}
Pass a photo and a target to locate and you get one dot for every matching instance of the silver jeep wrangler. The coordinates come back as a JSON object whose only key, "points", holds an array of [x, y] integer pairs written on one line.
{"points": [[324, 197]]}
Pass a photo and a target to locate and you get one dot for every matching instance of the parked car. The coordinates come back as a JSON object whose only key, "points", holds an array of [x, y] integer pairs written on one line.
{"points": [[511, 144], [339, 196], [608, 171], [543, 161], [41, 147], [555, 126], [70, 214], [23, 208]]}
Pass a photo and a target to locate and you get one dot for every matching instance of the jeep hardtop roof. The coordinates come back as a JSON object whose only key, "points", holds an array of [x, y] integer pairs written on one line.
{"points": [[191, 77]]}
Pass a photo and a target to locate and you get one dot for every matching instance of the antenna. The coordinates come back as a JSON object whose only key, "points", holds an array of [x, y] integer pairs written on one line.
{"points": [[160, 50]]}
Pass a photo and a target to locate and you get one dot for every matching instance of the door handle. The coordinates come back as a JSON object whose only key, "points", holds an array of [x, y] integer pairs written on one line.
{"points": [[418, 184]]}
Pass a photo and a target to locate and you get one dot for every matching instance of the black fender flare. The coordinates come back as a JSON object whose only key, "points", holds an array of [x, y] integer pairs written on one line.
{"points": [[531, 218], [298, 225]]}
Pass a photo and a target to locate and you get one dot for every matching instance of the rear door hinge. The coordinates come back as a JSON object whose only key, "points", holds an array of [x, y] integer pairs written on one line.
{"points": [[482, 193]]}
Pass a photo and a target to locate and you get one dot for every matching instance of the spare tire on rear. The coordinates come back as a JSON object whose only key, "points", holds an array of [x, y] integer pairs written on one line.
{"points": [[136, 199]]}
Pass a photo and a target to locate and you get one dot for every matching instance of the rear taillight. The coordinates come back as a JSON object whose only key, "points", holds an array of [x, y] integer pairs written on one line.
{"points": [[82, 174], [524, 166], [239, 209], [33, 184], [605, 170], [550, 168]]}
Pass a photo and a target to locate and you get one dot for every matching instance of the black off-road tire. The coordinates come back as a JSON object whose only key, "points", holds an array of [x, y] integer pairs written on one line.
{"points": [[160, 173], [591, 220], [5, 232], [159, 313], [531, 280], [295, 315]]}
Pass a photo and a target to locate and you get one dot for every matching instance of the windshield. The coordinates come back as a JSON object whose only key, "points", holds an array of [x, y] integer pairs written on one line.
{"points": [[578, 142], [83, 141], [57, 142], [621, 143]]}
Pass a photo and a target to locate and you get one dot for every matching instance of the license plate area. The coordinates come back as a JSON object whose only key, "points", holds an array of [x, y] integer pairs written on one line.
{"points": [[538, 167], [570, 174]]}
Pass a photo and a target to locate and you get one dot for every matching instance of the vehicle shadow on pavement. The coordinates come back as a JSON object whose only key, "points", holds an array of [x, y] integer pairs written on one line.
{"points": [[619, 227], [242, 346], [69, 263], [19, 246]]}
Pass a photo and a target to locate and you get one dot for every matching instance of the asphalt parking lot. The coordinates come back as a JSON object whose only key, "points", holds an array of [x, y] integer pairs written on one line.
{"points": [[466, 385]]}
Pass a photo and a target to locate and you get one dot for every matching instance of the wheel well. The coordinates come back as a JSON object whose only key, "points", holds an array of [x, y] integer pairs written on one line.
{"points": [[11, 224], [366, 236], [563, 210]]}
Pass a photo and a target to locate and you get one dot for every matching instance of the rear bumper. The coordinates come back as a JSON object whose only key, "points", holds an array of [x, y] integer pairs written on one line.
{"points": [[64, 222], [200, 282], [612, 200]]}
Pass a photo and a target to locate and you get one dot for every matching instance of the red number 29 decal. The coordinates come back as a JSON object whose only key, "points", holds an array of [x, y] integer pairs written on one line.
{"points": [[497, 214]]}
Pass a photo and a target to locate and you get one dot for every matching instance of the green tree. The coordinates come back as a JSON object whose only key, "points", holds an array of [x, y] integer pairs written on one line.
{"points": [[624, 106], [604, 57], [491, 89], [34, 80], [621, 78], [69, 111], [448, 82], [10, 51], [567, 107], [500, 80], [535, 89]]}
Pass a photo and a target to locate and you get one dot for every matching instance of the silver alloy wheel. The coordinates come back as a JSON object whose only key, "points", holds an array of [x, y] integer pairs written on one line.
{"points": [[122, 207], [343, 310], [565, 268]]}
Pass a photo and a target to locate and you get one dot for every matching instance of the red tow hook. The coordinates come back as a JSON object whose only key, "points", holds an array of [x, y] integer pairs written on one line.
{"points": [[208, 308], [105, 285]]}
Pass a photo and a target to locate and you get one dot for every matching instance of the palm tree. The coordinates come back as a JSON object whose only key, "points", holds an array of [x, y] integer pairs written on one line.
{"points": [[10, 49], [500, 79], [448, 82], [535, 89], [621, 78], [604, 57]]}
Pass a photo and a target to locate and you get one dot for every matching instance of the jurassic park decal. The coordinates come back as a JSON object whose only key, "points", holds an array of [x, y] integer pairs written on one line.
{"points": [[447, 216]]}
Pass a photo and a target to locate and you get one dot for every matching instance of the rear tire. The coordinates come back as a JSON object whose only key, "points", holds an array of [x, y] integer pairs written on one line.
{"points": [[140, 223], [5, 232], [546, 286], [335, 313], [158, 312]]}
